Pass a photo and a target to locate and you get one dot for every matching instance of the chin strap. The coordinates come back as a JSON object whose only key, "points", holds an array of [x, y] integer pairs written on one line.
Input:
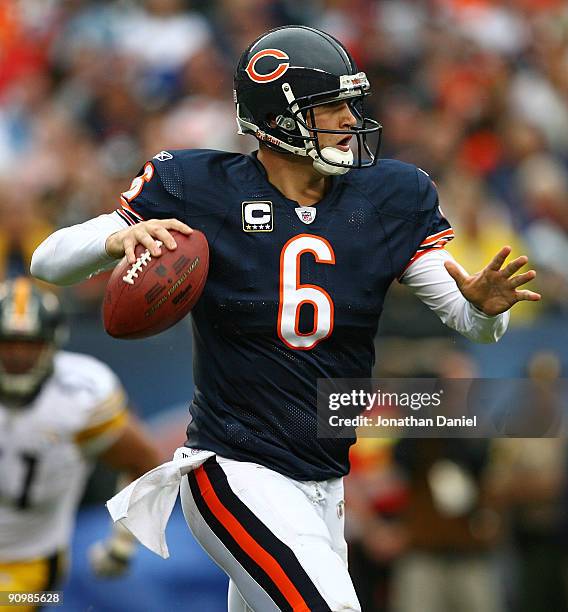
{"points": [[335, 155], [345, 158]]}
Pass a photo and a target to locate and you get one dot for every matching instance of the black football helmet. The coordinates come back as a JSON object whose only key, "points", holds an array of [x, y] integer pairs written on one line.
{"points": [[31, 329], [283, 76]]}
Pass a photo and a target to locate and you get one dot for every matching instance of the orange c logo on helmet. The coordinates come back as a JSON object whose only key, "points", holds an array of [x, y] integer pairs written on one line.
{"points": [[271, 76]]}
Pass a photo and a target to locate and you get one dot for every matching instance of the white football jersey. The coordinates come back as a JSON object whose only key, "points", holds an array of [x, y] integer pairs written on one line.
{"points": [[46, 451]]}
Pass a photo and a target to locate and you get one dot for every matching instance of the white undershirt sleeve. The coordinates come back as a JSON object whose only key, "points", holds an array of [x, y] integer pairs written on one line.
{"points": [[430, 281], [75, 253]]}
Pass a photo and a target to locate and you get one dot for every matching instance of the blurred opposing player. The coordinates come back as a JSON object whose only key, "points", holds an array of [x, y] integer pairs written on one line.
{"points": [[58, 412], [305, 239]]}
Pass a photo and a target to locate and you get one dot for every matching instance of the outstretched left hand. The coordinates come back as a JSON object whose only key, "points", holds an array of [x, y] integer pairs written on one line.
{"points": [[494, 290]]}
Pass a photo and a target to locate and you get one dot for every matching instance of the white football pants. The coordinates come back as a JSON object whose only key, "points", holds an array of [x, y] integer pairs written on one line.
{"points": [[279, 540]]}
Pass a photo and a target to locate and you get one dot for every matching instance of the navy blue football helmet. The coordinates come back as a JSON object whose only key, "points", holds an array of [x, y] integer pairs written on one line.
{"points": [[286, 73]]}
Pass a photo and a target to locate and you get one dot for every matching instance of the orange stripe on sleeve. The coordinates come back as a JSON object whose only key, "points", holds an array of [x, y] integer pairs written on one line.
{"points": [[435, 237], [125, 205], [249, 545]]}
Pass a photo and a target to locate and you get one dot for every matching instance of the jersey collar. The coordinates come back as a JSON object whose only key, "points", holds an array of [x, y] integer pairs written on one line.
{"points": [[335, 182]]}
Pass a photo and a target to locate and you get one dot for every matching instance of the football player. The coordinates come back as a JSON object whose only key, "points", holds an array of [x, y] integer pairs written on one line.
{"points": [[58, 412], [306, 235]]}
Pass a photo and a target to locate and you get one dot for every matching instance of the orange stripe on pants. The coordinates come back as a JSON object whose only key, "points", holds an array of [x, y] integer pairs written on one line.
{"points": [[252, 548]]}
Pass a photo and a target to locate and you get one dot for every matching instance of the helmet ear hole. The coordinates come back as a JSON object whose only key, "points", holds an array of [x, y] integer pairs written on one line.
{"points": [[270, 120], [286, 123]]}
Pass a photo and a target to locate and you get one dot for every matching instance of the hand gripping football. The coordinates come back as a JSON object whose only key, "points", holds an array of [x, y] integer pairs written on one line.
{"points": [[145, 298]]}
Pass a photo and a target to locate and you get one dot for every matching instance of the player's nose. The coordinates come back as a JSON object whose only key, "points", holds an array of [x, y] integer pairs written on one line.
{"points": [[348, 119]]}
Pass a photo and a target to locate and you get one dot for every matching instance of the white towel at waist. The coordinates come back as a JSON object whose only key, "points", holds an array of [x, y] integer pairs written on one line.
{"points": [[145, 505]]}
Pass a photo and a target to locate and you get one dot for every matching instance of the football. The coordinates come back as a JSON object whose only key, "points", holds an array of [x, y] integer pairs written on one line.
{"points": [[152, 294]]}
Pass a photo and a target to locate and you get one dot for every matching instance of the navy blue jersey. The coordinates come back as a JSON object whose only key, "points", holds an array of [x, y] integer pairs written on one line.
{"points": [[293, 294]]}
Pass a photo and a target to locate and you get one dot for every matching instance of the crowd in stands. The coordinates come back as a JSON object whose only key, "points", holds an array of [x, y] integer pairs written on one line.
{"points": [[475, 92]]}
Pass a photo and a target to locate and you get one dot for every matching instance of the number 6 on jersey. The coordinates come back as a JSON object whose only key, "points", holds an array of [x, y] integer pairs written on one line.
{"points": [[293, 295]]}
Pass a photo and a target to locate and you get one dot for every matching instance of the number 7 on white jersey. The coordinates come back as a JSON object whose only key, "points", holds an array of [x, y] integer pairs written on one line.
{"points": [[293, 294]]}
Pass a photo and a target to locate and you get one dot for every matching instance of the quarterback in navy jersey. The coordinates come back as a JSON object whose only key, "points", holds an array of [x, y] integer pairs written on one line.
{"points": [[289, 298], [305, 238]]}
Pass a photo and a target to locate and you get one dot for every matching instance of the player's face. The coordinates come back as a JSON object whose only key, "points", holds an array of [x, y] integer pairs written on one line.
{"points": [[18, 357], [334, 116]]}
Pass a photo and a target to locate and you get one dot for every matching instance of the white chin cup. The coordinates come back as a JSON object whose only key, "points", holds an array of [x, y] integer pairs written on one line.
{"points": [[345, 158]]}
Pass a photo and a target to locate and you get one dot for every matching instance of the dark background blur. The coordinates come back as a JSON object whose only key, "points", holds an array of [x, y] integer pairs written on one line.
{"points": [[475, 92]]}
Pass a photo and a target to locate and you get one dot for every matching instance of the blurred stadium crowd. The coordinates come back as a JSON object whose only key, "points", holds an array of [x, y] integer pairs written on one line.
{"points": [[475, 92]]}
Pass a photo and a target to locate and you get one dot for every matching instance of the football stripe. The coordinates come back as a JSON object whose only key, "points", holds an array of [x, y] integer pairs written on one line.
{"points": [[440, 233], [123, 214], [435, 245], [257, 548], [89, 433], [419, 254], [448, 234], [22, 293], [256, 571], [262, 534], [129, 209]]}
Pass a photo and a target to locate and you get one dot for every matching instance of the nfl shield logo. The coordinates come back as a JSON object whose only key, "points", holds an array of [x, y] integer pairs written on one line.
{"points": [[306, 214]]}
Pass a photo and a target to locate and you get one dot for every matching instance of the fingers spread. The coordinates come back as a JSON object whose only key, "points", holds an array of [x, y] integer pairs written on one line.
{"points": [[514, 266], [499, 259], [521, 279]]}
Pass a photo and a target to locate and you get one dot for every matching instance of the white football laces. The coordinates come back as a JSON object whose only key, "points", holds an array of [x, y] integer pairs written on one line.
{"points": [[137, 266]]}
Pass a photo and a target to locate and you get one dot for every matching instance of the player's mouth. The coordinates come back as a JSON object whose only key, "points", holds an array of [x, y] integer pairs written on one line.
{"points": [[343, 144]]}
